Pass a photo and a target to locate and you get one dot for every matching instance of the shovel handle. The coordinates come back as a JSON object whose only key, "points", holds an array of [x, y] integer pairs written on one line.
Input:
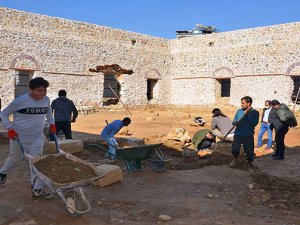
{"points": [[56, 143]]}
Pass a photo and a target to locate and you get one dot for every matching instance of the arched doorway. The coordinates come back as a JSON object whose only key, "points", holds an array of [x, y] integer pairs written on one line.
{"points": [[24, 68], [111, 89], [152, 77], [22, 81], [223, 77]]}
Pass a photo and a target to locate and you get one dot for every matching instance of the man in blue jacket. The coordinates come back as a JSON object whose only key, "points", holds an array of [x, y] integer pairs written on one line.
{"points": [[245, 120], [108, 135]]}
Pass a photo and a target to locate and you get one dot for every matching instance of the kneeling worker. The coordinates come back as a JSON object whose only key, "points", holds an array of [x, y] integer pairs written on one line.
{"points": [[203, 139], [109, 132], [221, 125]]}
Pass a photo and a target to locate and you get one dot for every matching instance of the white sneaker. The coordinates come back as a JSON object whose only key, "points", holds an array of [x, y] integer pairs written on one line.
{"points": [[39, 193]]}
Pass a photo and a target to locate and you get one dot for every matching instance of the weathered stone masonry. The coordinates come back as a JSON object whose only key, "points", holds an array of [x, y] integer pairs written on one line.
{"points": [[259, 62], [63, 51]]}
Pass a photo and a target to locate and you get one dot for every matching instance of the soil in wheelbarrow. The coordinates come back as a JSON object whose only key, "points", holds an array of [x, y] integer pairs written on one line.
{"points": [[63, 170]]}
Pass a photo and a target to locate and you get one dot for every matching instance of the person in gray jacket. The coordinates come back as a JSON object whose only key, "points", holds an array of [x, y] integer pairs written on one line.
{"points": [[65, 113], [281, 130], [221, 125]]}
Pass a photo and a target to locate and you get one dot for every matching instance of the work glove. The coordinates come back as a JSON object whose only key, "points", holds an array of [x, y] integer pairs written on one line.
{"points": [[52, 129], [12, 134]]}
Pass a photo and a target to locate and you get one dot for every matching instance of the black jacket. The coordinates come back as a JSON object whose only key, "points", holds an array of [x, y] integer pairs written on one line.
{"points": [[63, 109], [275, 122]]}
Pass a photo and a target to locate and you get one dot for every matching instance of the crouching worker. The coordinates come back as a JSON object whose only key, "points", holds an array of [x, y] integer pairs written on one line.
{"points": [[29, 113], [108, 135], [203, 139], [221, 125]]}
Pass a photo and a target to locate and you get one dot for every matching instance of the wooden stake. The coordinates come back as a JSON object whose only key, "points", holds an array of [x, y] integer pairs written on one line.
{"points": [[296, 99], [180, 124], [119, 99]]}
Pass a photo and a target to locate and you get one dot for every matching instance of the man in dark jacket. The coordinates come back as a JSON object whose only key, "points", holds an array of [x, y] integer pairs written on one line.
{"points": [[65, 112], [281, 130]]}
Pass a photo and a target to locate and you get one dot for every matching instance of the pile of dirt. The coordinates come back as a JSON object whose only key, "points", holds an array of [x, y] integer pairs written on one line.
{"points": [[63, 170], [179, 163], [276, 192], [272, 183]]}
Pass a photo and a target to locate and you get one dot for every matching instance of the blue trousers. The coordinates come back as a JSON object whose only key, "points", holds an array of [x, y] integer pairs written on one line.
{"points": [[112, 145], [263, 128]]}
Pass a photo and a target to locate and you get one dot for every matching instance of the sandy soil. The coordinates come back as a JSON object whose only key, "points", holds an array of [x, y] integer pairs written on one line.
{"points": [[191, 191]]}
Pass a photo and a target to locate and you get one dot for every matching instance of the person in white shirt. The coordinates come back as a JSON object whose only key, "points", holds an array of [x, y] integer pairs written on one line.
{"points": [[30, 112], [265, 126]]}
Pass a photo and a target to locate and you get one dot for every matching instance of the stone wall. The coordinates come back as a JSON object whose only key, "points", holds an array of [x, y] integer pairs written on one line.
{"points": [[6, 84], [63, 51], [259, 61], [256, 60]]}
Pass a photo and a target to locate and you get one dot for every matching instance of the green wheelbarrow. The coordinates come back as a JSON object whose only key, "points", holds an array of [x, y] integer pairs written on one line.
{"points": [[133, 156]]}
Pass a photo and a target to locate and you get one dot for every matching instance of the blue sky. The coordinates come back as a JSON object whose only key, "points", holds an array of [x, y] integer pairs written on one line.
{"points": [[163, 17]]}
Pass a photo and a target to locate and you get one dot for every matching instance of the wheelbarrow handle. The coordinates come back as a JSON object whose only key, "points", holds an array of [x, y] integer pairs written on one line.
{"points": [[20, 144], [56, 143], [55, 140], [103, 149]]}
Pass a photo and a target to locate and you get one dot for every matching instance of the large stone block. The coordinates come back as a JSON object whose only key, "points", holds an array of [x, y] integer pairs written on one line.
{"points": [[68, 145], [113, 174]]}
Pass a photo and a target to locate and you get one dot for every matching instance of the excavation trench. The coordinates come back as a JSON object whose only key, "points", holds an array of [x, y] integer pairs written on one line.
{"points": [[177, 162]]}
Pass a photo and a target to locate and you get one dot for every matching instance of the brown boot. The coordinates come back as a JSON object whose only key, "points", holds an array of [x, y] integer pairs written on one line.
{"points": [[233, 162]]}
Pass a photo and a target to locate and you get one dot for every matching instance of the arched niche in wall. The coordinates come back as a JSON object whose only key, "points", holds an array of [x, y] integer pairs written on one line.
{"points": [[152, 74], [222, 77], [152, 77], [23, 68], [293, 71], [25, 62], [222, 73]]}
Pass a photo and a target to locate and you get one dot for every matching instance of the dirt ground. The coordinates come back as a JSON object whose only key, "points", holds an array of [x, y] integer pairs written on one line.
{"points": [[193, 191]]}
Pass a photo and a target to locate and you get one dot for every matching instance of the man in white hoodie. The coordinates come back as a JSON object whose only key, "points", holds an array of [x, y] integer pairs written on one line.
{"points": [[29, 113]]}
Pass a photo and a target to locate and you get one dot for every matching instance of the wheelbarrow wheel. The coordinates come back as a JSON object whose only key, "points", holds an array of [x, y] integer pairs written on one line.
{"points": [[74, 203], [157, 165]]}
